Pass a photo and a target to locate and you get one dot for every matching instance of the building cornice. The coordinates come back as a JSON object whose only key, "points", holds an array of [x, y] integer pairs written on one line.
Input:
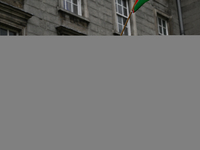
{"points": [[13, 16]]}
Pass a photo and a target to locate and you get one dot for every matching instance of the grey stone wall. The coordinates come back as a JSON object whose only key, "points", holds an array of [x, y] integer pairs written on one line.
{"points": [[191, 16], [47, 16], [100, 16], [174, 22], [146, 17]]}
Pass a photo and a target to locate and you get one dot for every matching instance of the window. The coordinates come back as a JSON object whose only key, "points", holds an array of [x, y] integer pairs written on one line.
{"points": [[75, 17], [163, 23], [73, 6], [6, 32], [162, 26], [122, 15]]}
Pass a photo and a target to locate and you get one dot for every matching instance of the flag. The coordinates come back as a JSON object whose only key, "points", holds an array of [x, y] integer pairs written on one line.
{"points": [[138, 4]]}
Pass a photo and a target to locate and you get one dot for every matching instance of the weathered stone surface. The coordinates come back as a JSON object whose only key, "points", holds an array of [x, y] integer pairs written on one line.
{"points": [[99, 18], [13, 17], [16, 3], [146, 21], [191, 16]]}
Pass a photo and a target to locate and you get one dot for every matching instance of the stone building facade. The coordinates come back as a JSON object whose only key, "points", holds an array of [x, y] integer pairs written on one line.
{"points": [[191, 16], [96, 17]]}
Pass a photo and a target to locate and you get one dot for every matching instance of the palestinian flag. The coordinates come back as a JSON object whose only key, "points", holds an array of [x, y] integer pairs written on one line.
{"points": [[138, 4]]}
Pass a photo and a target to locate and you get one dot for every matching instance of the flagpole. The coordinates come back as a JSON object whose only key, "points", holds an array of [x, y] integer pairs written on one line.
{"points": [[128, 18]]}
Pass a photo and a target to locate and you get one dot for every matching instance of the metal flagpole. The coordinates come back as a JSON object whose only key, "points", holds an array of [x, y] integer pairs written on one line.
{"points": [[128, 18], [180, 17]]}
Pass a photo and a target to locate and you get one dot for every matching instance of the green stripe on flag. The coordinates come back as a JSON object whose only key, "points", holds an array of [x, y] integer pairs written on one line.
{"points": [[139, 4]]}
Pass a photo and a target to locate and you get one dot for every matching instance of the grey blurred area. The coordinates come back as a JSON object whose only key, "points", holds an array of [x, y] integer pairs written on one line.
{"points": [[99, 100]]}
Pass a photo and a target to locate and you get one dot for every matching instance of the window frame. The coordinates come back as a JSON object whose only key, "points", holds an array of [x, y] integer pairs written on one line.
{"points": [[73, 20], [162, 26], [8, 30], [123, 16], [163, 16], [79, 5]]}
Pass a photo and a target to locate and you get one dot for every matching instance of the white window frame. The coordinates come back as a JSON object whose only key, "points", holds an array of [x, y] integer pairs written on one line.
{"points": [[121, 15], [9, 31], [162, 26], [78, 6]]}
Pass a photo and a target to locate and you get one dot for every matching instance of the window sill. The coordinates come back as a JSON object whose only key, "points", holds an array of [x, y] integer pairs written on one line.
{"points": [[73, 15], [116, 33]]}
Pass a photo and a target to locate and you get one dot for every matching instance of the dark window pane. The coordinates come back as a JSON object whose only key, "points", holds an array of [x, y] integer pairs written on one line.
{"points": [[125, 12], [68, 6], [165, 32], [75, 1], [124, 21], [75, 9], [159, 21], [119, 1], [124, 3], [164, 24], [160, 29], [119, 9], [12, 33], [3, 31], [119, 19], [126, 31], [120, 28]]}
